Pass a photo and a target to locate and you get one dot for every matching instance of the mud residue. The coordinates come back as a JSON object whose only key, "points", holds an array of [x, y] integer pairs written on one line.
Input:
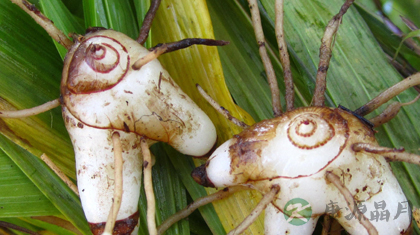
{"points": [[199, 174], [122, 227], [360, 132], [173, 121], [246, 151]]}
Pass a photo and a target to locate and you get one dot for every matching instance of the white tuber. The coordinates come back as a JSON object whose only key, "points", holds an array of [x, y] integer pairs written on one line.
{"points": [[103, 94], [295, 151]]}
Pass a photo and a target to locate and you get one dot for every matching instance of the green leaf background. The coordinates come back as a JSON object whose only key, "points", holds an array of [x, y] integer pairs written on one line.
{"points": [[30, 74]]}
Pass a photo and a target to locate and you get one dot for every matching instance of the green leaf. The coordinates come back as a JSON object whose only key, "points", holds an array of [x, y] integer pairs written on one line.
{"points": [[184, 166], [387, 39], [359, 71], [29, 79], [201, 65], [20, 223], [48, 183], [415, 33], [54, 229], [30, 66], [110, 14], [23, 198], [169, 192], [56, 11], [15, 129]]}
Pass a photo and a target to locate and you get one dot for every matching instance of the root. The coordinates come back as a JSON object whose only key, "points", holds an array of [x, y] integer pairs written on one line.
{"points": [[221, 109], [391, 154], [196, 204], [325, 53], [284, 56], [30, 112], [147, 22], [271, 76], [267, 199], [60, 174], [160, 49], [45, 23], [390, 112], [118, 187], [148, 187], [334, 179], [408, 41], [388, 94], [149, 57]]}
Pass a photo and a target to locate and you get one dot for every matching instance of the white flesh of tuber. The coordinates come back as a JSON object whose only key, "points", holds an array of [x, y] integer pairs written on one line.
{"points": [[295, 151], [103, 94]]}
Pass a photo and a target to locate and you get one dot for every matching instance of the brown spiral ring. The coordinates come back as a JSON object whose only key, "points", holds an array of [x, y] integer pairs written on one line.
{"points": [[94, 60], [309, 131], [98, 64]]}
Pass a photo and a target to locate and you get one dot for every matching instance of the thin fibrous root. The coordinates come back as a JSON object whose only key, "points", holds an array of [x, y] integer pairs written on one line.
{"points": [[30, 112], [149, 57], [196, 204], [44, 22], [410, 24], [267, 199], [60, 174], [147, 22], [160, 49], [390, 112], [410, 42], [284, 56], [271, 76], [388, 23], [148, 187], [391, 154], [325, 53], [334, 179], [388, 94], [17, 228], [118, 186], [221, 109]]}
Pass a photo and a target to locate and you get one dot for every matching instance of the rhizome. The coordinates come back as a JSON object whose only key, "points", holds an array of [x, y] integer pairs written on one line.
{"points": [[336, 77]]}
